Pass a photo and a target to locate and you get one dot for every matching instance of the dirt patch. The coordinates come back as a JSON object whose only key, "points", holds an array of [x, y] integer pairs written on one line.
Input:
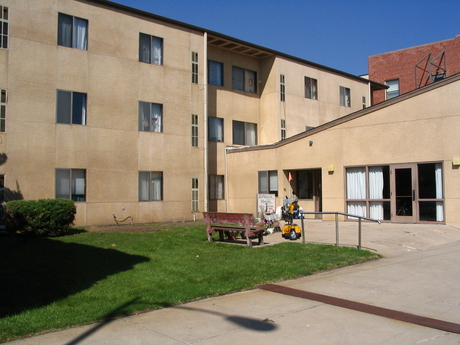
{"points": [[138, 227]]}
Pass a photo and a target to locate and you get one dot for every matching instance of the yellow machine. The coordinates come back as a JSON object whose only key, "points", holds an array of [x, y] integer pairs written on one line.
{"points": [[290, 212], [291, 231]]}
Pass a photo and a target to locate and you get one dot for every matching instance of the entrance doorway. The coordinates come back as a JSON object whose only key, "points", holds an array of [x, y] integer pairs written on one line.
{"points": [[403, 203]]}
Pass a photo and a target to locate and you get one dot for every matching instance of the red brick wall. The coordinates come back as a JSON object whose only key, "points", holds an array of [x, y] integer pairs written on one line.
{"points": [[400, 64]]}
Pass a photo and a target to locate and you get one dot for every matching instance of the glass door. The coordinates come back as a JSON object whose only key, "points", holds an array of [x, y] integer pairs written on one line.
{"points": [[403, 195]]}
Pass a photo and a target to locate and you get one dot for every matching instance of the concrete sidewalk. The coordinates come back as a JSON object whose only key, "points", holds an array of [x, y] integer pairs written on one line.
{"points": [[420, 275]]}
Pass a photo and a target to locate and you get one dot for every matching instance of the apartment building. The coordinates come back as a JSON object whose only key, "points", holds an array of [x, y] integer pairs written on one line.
{"points": [[130, 114], [408, 69]]}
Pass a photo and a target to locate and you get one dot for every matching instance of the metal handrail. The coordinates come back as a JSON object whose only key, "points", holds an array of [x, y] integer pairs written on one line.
{"points": [[337, 224]]}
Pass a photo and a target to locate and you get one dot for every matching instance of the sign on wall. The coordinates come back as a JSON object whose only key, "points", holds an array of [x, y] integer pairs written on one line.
{"points": [[265, 203]]}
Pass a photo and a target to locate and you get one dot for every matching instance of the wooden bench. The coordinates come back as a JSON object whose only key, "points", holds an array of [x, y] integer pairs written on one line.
{"points": [[225, 222]]}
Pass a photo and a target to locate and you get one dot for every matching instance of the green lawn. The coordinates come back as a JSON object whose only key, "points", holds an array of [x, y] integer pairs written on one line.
{"points": [[49, 284]]}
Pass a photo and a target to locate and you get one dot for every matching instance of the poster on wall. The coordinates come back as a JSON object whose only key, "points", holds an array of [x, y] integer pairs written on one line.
{"points": [[265, 203]]}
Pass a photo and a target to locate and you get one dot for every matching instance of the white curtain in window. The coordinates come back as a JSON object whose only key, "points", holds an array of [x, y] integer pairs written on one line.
{"points": [[439, 204], [215, 73], [220, 187], [144, 110], [376, 192], [80, 33], [144, 184], [156, 184], [263, 182], [157, 50], [65, 30], [156, 121], [251, 134], [356, 189], [215, 129], [63, 183], [273, 175], [144, 48]]}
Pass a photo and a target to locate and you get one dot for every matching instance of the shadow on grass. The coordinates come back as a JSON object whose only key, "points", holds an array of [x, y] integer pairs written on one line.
{"points": [[35, 272]]}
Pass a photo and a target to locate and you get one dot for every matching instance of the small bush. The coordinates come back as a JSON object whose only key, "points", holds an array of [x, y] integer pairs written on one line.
{"points": [[44, 217]]}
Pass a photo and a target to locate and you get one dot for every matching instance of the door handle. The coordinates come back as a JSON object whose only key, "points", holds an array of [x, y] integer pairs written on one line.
{"points": [[413, 195]]}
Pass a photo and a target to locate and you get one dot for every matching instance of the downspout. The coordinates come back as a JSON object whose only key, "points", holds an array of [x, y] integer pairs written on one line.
{"points": [[205, 122]]}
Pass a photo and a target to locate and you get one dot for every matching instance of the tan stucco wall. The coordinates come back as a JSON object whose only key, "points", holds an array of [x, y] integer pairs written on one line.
{"points": [[109, 147], [420, 129]]}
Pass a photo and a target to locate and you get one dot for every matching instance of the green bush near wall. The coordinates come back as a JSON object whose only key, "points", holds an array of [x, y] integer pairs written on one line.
{"points": [[44, 217]]}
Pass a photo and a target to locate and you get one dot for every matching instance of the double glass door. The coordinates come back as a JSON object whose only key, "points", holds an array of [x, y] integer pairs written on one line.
{"points": [[417, 193]]}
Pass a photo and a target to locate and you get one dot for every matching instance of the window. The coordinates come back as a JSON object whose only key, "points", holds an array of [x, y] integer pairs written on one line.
{"points": [[72, 32], [364, 102], [2, 110], [71, 107], [393, 90], [194, 67], [345, 96], [195, 195], [71, 184], [194, 130], [311, 88], [216, 129], [430, 194], [283, 129], [150, 49], [368, 192], [150, 117], [216, 187], [282, 88], [268, 182], [150, 185], [4, 27], [216, 73], [244, 80], [244, 133]]}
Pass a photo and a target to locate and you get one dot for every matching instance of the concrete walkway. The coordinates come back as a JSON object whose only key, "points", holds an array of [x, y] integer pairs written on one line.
{"points": [[420, 276]]}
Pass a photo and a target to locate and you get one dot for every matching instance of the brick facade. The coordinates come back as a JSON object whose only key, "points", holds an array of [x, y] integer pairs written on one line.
{"points": [[400, 64]]}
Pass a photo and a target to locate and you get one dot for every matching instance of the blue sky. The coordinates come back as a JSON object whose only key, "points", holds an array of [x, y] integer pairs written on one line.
{"points": [[336, 33]]}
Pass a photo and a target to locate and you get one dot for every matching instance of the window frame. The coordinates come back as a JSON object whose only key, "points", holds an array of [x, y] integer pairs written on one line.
{"points": [[195, 129], [152, 195], [269, 176], [345, 96], [146, 55], [194, 67], [4, 27], [395, 92], [283, 129], [216, 191], [238, 136], [195, 195], [148, 123], [218, 137], [282, 88], [71, 112], [73, 187], [3, 103], [216, 78], [243, 82], [73, 43], [311, 88]]}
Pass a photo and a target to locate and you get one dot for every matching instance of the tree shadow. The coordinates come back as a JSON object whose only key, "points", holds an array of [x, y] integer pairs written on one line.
{"points": [[35, 272]]}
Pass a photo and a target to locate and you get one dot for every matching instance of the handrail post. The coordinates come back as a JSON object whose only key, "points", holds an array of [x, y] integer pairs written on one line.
{"points": [[336, 229], [359, 234], [303, 230]]}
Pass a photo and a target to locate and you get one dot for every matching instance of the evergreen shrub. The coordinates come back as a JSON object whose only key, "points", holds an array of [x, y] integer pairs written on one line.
{"points": [[44, 217]]}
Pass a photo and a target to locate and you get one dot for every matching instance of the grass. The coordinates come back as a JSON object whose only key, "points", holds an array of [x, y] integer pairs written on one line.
{"points": [[50, 284]]}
